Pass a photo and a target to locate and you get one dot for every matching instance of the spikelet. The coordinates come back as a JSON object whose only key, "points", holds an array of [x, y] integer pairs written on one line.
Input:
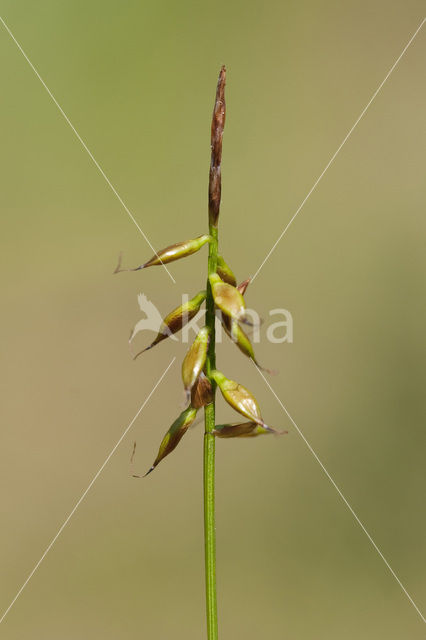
{"points": [[171, 253], [176, 319]]}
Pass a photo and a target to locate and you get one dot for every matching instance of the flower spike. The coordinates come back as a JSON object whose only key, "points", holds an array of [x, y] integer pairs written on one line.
{"points": [[224, 299], [218, 124]]}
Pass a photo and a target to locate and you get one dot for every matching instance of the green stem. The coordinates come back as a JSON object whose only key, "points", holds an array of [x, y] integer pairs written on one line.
{"points": [[209, 457]]}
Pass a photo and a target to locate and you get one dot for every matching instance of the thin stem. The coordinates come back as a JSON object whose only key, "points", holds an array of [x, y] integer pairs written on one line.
{"points": [[209, 462], [215, 185]]}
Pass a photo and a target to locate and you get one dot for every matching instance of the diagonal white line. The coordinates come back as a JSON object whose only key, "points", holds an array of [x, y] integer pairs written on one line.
{"points": [[343, 497], [85, 147], [84, 494], [333, 157]]}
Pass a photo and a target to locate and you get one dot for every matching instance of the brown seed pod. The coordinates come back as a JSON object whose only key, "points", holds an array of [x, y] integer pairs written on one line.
{"points": [[176, 319], [243, 430], [174, 435], [201, 392]]}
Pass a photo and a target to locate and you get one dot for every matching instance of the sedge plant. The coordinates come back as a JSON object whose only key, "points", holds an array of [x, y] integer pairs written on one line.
{"points": [[223, 299]]}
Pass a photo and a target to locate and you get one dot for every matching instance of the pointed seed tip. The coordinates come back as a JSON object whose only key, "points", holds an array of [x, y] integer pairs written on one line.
{"points": [[149, 471], [143, 351]]}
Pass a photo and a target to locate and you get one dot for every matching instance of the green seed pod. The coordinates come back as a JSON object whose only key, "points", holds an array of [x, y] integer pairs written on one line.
{"points": [[228, 298], [201, 392], [241, 339], [174, 435], [239, 398], [195, 359], [238, 335], [176, 319], [243, 430], [225, 272], [171, 253]]}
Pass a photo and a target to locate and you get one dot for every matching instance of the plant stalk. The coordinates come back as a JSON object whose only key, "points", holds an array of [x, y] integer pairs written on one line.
{"points": [[215, 190], [209, 458]]}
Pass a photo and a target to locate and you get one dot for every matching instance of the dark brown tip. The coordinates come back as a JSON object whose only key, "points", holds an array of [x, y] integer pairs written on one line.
{"points": [[143, 351], [218, 124], [149, 471]]}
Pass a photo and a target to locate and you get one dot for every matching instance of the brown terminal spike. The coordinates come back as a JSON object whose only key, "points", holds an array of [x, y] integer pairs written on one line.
{"points": [[218, 124]]}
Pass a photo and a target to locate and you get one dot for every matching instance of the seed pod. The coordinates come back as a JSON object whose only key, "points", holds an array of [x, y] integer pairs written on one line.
{"points": [[225, 272], [238, 335], [177, 318], [239, 398], [228, 299], [201, 392], [171, 253], [195, 359], [174, 435], [243, 430]]}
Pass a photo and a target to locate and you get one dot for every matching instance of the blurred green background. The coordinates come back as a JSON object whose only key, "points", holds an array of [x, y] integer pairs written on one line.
{"points": [[137, 80]]}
